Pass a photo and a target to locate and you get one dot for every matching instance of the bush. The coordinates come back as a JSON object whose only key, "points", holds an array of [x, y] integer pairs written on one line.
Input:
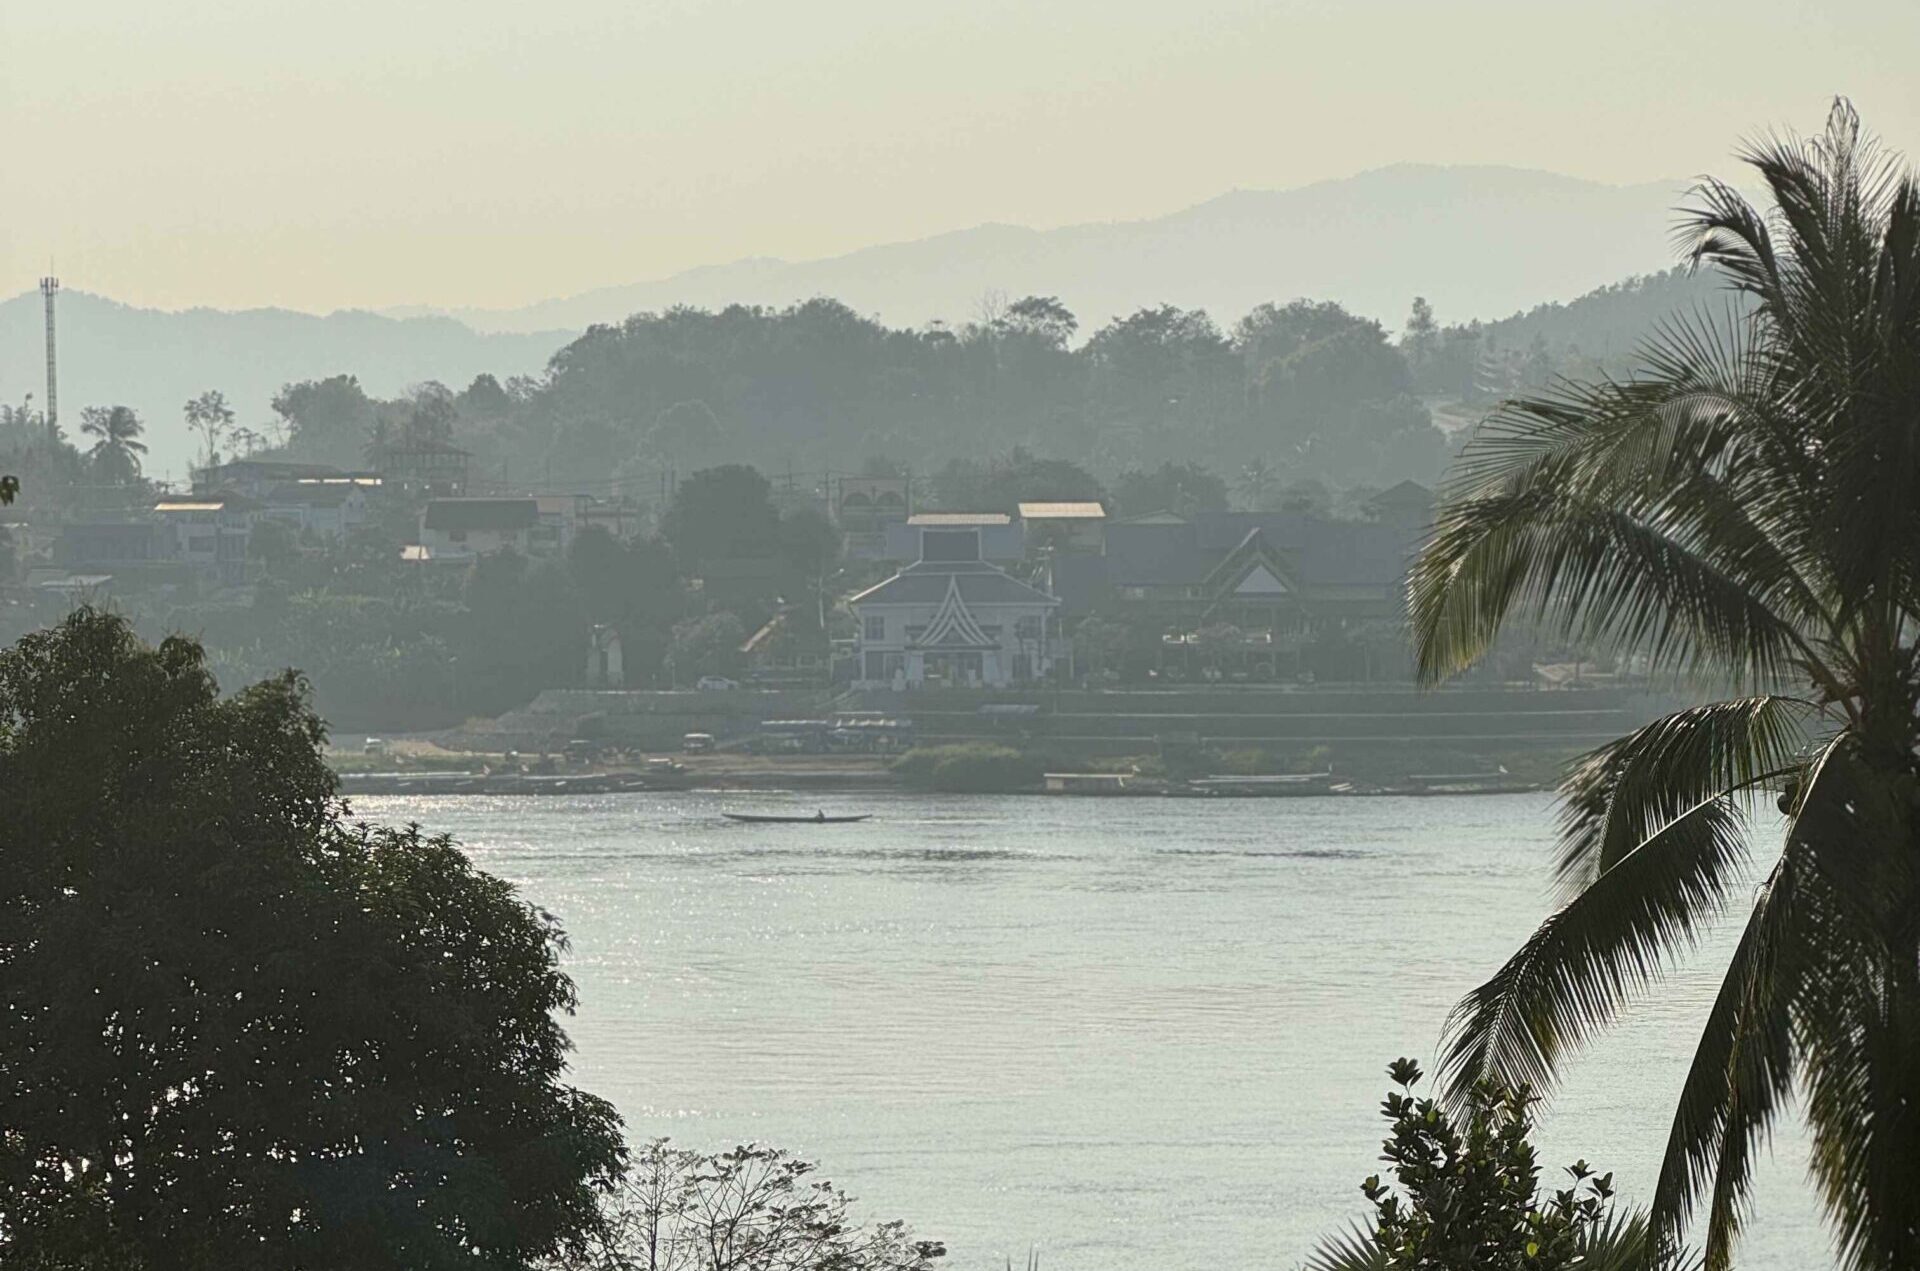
{"points": [[749, 1209], [969, 768], [1469, 1197]]}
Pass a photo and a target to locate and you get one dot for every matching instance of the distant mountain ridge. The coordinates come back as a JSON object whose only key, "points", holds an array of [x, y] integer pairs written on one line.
{"points": [[1477, 241], [1480, 242]]}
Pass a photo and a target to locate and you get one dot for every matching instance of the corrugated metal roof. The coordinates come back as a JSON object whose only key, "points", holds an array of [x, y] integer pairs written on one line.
{"points": [[1063, 512], [959, 518]]}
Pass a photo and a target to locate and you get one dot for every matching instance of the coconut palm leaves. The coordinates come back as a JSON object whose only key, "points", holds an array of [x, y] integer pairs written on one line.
{"points": [[117, 446], [1747, 510]]}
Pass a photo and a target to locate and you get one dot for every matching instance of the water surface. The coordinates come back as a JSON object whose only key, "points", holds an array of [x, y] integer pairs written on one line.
{"points": [[1135, 1034]]}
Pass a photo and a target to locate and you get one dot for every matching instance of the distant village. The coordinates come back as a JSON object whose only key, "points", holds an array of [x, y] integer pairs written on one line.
{"points": [[951, 599]]}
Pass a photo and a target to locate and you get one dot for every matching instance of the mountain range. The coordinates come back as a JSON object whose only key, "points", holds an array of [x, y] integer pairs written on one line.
{"points": [[1478, 242]]}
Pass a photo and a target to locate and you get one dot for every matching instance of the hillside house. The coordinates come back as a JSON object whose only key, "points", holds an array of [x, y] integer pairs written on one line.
{"points": [[460, 529]]}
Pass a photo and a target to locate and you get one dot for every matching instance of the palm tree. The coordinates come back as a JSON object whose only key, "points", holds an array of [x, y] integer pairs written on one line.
{"points": [[1745, 511], [117, 448]]}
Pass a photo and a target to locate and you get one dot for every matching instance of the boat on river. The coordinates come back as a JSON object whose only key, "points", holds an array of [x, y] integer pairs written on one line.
{"points": [[818, 818]]}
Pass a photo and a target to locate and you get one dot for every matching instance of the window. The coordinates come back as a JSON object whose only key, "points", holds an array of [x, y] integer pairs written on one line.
{"points": [[1027, 630], [877, 667], [874, 627]]}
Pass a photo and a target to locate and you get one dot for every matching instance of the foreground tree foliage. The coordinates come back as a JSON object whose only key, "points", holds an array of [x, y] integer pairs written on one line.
{"points": [[1745, 512], [1469, 1196], [239, 1031], [749, 1209]]}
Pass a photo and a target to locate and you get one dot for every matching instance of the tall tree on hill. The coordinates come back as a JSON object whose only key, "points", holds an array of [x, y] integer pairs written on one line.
{"points": [[211, 417], [325, 420], [117, 446], [1743, 510]]}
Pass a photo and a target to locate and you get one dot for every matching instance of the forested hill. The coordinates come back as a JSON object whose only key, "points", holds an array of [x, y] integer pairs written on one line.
{"points": [[154, 360], [1608, 324], [1478, 241]]}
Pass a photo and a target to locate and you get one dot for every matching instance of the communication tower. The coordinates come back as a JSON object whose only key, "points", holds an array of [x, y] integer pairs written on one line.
{"points": [[50, 287]]}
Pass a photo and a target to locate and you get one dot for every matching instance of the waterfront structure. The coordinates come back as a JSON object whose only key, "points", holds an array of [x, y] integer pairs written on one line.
{"points": [[953, 618]]}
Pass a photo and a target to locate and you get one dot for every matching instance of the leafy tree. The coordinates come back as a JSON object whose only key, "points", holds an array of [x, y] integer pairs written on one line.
{"points": [[633, 586], [683, 431], [1042, 318], [1469, 1196], [117, 446], [751, 1208], [325, 420], [240, 1029], [721, 512], [708, 645], [1744, 512], [526, 631], [809, 543], [1164, 379], [1183, 488], [483, 399], [211, 417], [1005, 481]]}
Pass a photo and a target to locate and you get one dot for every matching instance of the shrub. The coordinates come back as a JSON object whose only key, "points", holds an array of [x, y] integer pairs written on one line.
{"points": [[969, 768]]}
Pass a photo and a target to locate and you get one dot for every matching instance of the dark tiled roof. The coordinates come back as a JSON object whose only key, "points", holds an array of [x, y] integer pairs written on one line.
{"points": [[925, 583], [1322, 552], [481, 514]]}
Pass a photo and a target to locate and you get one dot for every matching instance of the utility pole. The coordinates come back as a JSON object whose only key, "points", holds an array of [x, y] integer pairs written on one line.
{"points": [[50, 287]]}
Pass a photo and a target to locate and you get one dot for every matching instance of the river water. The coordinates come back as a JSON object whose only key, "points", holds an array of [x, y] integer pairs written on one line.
{"points": [[1133, 1035]]}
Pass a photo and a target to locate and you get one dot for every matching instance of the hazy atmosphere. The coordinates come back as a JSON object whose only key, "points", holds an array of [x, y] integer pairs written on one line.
{"points": [[492, 154], [1233, 635]]}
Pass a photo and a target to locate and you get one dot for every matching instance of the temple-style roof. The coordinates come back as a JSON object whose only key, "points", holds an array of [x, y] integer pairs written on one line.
{"points": [[928, 582], [952, 625]]}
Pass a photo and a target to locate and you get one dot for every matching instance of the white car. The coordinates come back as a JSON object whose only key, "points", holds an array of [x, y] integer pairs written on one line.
{"points": [[714, 683]]}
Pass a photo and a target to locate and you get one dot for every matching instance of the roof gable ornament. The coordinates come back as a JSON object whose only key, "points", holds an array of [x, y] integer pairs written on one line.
{"points": [[952, 625], [1252, 569]]}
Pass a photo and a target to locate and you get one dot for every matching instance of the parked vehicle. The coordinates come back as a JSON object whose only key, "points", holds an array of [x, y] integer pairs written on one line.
{"points": [[697, 743], [715, 683]]}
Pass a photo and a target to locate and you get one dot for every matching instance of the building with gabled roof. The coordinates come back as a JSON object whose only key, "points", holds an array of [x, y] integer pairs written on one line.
{"points": [[454, 528], [953, 619]]}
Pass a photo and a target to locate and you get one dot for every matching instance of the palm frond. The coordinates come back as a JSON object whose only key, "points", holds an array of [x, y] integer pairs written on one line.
{"points": [[1355, 1249], [1594, 573], [1585, 960], [1741, 1069], [1618, 795]]}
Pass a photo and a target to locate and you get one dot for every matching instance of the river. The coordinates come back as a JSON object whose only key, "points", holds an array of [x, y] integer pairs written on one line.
{"points": [[1133, 1034]]}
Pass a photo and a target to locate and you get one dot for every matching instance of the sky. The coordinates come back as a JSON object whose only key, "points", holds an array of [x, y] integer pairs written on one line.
{"points": [[374, 153]]}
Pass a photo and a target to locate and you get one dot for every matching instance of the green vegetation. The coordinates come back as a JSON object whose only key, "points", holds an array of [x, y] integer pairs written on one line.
{"points": [[242, 1030], [1469, 1196], [1743, 511], [970, 768]]}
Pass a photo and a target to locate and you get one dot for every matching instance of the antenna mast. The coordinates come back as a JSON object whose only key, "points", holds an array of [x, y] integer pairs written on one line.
{"points": [[50, 287]]}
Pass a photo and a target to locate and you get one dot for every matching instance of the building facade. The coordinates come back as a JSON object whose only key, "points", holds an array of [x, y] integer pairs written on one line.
{"points": [[952, 619]]}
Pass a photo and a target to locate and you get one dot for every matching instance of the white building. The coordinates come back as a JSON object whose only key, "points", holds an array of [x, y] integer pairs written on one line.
{"points": [[327, 507], [952, 619], [460, 529]]}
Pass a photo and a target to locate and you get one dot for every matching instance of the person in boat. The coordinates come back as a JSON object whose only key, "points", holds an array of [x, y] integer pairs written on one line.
{"points": [[820, 815]]}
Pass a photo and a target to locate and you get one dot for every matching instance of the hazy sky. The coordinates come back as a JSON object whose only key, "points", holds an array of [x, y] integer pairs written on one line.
{"points": [[491, 152]]}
